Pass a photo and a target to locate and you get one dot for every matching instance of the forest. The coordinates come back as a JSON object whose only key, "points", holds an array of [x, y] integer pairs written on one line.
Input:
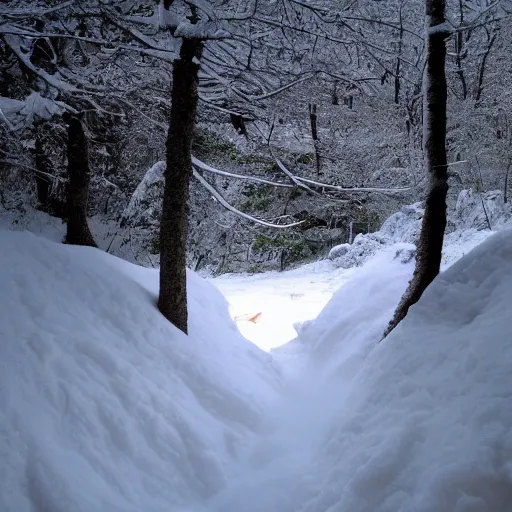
{"points": [[309, 125], [347, 154]]}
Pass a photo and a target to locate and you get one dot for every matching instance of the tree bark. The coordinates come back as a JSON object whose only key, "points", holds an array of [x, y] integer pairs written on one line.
{"points": [[172, 300], [314, 135], [505, 187], [481, 70], [398, 60], [78, 232], [430, 244], [459, 42]]}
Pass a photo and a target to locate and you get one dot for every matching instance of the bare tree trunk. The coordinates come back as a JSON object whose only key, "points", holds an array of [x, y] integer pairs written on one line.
{"points": [[172, 301], [78, 232], [430, 244], [505, 186], [481, 70], [314, 134], [459, 43], [398, 60]]}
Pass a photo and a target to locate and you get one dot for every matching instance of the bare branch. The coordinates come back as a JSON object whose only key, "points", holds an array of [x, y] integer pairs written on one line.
{"points": [[30, 168]]}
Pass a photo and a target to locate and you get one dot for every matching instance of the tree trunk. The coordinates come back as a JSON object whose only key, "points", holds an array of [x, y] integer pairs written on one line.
{"points": [[172, 301], [398, 60], [78, 232], [314, 135], [481, 71], [430, 245], [505, 187], [458, 51]]}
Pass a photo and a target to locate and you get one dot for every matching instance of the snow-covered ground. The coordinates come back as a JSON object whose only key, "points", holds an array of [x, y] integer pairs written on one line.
{"points": [[269, 307], [106, 406], [419, 423]]}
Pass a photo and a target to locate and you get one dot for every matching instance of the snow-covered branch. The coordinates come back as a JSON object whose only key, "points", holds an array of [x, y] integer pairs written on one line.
{"points": [[255, 179], [231, 208], [355, 189], [14, 44]]}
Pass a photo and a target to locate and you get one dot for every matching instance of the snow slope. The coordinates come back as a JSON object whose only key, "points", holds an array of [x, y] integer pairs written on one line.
{"points": [[103, 404], [420, 422]]}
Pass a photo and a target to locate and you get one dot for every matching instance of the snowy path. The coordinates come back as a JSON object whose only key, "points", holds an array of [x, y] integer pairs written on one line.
{"points": [[284, 299], [281, 468]]}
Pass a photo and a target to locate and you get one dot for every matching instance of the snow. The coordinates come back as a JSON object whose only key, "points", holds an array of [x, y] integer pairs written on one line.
{"points": [[401, 227], [166, 17], [286, 300], [103, 404], [468, 221], [418, 422], [338, 250], [473, 210], [23, 113]]}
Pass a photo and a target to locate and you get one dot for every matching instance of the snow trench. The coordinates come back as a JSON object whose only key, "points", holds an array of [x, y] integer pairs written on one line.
{"points": [[105, 406]]}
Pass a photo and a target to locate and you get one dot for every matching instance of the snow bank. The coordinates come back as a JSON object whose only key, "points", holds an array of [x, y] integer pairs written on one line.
{"points": [[338, 251], [427, 422], [468, 227], [420, 422], [103, 404], [477, 211], [360, 310], [402, 227]]}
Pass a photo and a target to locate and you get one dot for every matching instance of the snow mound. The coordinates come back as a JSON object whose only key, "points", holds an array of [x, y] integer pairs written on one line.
{"points": [[402, 227], [104, 405], [361, 308], [420, 422], [427, 424], [469, 226], [477, 211], [338, 250]]}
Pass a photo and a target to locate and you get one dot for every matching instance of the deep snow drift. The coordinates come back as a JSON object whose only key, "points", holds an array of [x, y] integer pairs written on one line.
{"points": [[418, 423], [104, 406]]}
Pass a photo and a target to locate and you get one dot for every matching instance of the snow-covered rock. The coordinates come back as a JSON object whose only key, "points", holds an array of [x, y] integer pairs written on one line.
{"points": [[468, 226], [104, 405], [338, 250], [402, 227]]}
